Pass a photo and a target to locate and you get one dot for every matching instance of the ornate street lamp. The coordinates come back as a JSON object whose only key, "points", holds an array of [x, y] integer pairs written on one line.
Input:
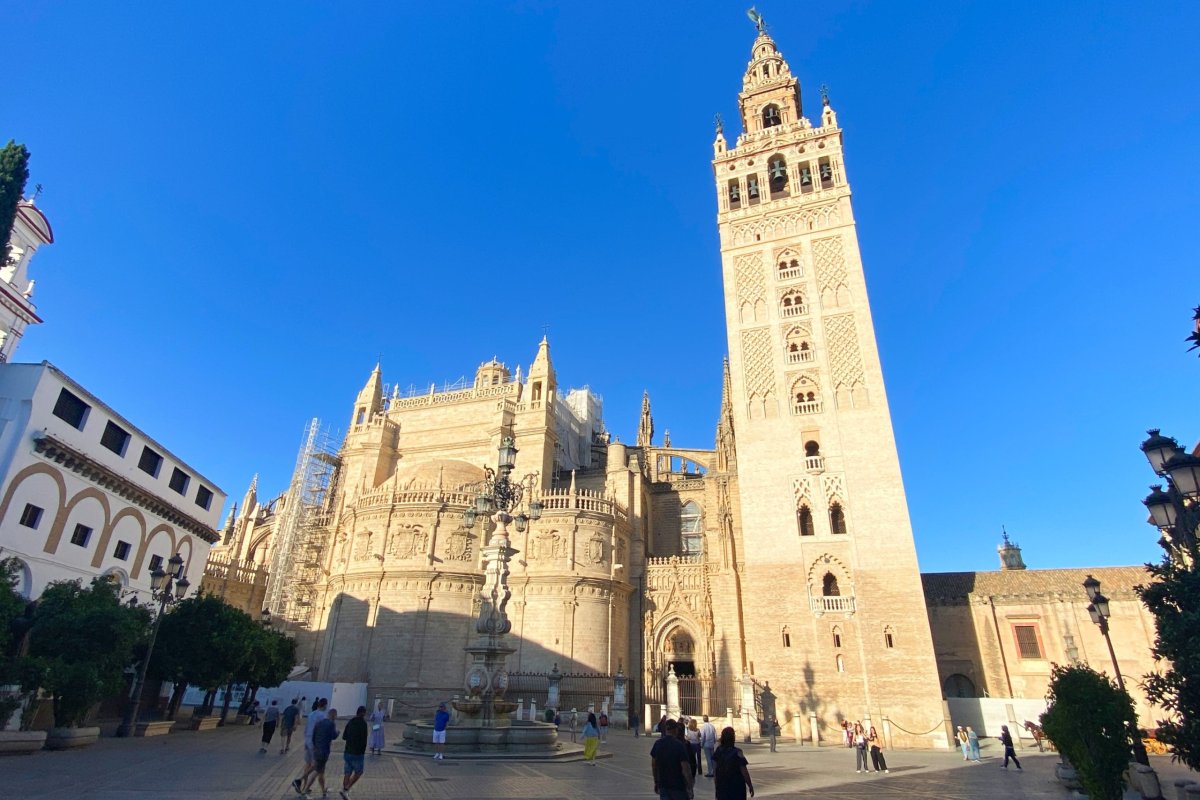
{"points": [[168, 588], [1174, 510], [1099, 610]]}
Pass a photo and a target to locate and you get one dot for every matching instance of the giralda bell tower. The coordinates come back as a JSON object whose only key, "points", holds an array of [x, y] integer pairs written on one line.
{"points": [[833, 612]]}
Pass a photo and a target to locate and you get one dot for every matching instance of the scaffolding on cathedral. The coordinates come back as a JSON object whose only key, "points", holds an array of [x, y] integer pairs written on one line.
{"points": [[299, 532]]}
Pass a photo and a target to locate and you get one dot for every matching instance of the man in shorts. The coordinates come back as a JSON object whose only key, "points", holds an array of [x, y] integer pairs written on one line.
{"points": [[287, 725], [314, 718], [323, 735], [440, 720], [356, 750]]}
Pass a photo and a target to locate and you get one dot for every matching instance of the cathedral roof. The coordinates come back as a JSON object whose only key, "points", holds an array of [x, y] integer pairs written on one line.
{"points": [[451, 473], [955, 587]]}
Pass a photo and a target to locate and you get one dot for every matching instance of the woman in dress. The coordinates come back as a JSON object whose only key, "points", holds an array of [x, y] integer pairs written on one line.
{"points": [[876, 743], [731, 777], [375, 742], [591, 739]]}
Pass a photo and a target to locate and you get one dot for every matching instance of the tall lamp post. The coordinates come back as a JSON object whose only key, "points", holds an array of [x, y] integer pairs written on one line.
{"points": [[1100, 612], [1175, 511], [168, 588]]}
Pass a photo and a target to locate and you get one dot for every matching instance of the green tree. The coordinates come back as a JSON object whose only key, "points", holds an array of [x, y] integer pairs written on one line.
{"points": [[80, 643], [14, 172], [202, 642], [1089, 720], [13, 624], [268, 659], [1174, 600]]}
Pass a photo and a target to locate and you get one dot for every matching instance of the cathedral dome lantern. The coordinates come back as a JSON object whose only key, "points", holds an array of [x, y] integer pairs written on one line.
{"points": [[492, 373], [770, 94]]}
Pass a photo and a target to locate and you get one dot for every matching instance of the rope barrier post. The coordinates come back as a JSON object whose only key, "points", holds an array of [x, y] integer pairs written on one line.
{"points": [[887, 731]]}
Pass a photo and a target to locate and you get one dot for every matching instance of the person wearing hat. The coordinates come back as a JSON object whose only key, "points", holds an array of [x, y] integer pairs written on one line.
{"points": [[440, 720]]}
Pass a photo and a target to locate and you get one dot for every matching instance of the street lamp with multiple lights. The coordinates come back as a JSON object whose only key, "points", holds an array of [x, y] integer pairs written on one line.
{"points": [[1100, 612], [168, 588], [1175, 511]]}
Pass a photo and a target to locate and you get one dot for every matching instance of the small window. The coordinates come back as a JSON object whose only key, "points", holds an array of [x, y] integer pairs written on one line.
{"points": [[81, 535], [204, 497], [841, 664], [787, 637], [31, 516], [360, 417], [150, 462], [1028, 645], [829, 586], [804, 519], [71, 410], [179, 480], [121, 551], [837, 637], [156, 562], [889, 638], [837, 518], [115, 438]]}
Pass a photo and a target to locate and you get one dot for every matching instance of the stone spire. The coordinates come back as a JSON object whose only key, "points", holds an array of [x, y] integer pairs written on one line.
{"points": [[770, 94], [1010, 554], [645, 435], [725, 443], [251, 498], [370, 399]]}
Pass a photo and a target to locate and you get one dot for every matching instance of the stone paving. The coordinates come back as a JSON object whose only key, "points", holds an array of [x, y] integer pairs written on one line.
{"points": [[225, 764]]}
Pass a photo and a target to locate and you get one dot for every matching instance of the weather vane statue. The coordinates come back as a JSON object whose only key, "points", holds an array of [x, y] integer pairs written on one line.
{"points": [[757, 19]]}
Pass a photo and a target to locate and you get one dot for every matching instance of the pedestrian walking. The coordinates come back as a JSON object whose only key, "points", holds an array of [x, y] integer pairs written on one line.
{"points": [[354, 754], [694, 737], [860, 748], [670, 764], [270, 722], [973, 744], [287, 725], [680, 733], [1006, 740], [591, 739], [661, 727], [303, 705], [314, 718], [603, 727], [963, 743], [708, 743], [254, 710], [772, 731], [732, 772], [633, 723], [876, 743], [377, 741], [847, 733], [324, 732], [440, 721]]}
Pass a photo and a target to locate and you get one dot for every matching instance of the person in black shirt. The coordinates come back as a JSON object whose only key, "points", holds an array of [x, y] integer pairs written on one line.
{"points": [[732, 778], [671, 765], [355, 753]]}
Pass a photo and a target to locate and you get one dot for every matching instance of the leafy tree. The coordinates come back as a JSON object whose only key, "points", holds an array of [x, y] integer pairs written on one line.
{"points": [[1089, 720], [80, 643], [269, 658], [14, 172], [203, 642], [1174, 600], [13, 624]]}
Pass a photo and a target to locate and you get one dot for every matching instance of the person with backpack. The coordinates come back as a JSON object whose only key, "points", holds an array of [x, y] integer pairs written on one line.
{"points": [[732, 776]]}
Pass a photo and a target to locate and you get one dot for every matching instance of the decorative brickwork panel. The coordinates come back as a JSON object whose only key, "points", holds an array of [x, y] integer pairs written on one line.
{"points": [[757, 363], [834, 487], [802, 488], [845, 359], [751, 285], [792, 222], [830, 263]]}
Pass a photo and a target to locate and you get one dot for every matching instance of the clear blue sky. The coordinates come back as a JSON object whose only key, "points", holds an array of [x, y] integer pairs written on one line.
{"points": [[254, 200]]}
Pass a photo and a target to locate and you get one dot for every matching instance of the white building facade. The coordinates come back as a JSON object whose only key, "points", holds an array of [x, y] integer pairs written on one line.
{"points": [[84, 493], [31, 230]]}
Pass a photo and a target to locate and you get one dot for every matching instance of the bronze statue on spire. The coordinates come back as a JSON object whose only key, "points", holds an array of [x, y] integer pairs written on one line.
{"points": [[757, 19]]}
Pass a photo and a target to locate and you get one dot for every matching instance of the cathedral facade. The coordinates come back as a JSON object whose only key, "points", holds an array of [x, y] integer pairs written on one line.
{"points": [[781, 556]]}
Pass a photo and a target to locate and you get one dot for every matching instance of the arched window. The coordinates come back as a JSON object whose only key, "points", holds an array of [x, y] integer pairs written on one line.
{"points": [[777, 171], [829, 586], [837, 518], [841, 664], [770, 116], [889, 637], [804, 519], [958, 685], [811, 448], [787, 637], [735, 193], [837, 636], [690, 529], [792, 304]]}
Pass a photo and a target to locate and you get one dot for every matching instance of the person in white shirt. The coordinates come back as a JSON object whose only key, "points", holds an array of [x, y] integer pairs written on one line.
{"points": [[708, 742]]}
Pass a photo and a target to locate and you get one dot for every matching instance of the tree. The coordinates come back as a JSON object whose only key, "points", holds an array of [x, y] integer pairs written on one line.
{"points": [[80, 643], [14, 172], [1174, 600], [202, 642], [269, 658], [14, 621], [1089, 720]]}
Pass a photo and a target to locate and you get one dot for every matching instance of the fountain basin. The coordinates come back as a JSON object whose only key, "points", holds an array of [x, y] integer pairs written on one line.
{"points": [[519, 737]]}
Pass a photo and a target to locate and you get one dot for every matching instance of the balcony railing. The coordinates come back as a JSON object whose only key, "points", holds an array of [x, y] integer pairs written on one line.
{"points": [[833, 605], [814, 463], [791, 274], [808, 407], [798, 310], [799, 356]]}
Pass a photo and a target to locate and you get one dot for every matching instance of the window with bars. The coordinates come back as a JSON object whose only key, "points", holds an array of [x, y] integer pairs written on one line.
{"points": [[1028, 644]]}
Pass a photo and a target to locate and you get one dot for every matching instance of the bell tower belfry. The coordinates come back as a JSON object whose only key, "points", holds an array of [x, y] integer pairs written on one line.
{"points": [[833, 608]]}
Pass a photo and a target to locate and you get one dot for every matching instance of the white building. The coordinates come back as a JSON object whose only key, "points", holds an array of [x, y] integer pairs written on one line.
{"points": [[85, 493], [31, 230]]}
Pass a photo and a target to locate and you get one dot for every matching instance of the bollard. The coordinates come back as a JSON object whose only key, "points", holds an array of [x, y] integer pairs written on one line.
{"points": [[1181, 787], [1146, 781]]}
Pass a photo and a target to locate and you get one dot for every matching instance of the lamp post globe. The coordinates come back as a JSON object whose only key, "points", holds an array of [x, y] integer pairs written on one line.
{"points": [[1159, 449], [1092, 587], [1184, 471], [1163, 513]]}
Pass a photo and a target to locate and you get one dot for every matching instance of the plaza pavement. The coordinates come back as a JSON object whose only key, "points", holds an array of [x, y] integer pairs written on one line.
{"points": [[225, 764]]}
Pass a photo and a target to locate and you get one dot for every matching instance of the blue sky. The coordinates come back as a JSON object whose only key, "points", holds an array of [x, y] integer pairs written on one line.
{"points": [[254, 201]]}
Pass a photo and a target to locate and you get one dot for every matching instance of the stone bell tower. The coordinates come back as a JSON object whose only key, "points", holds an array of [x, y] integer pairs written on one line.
{"points": [[833, 610]]}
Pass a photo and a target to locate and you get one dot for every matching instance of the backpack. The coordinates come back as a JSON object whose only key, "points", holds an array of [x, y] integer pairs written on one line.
{"points": [[604, 720]]}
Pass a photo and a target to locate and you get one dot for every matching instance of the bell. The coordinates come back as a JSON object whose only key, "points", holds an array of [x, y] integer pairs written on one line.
{"points": [[806, 177], [826, 172], [778, 171], [735, 194], [753, 187]]}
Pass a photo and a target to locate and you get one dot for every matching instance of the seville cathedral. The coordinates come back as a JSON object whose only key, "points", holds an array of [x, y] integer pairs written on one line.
{"points": [[783, 555]]}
